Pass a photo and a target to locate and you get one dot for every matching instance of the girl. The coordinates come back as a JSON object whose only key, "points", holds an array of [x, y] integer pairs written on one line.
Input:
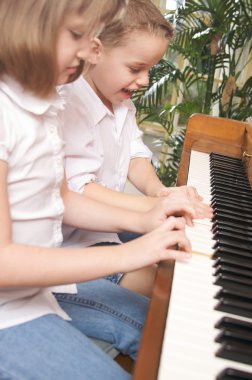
{"points": [[42, 44]]}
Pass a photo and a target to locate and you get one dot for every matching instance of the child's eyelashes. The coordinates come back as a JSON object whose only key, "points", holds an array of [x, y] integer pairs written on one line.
{"points": [[134, 70], [76, 35]]}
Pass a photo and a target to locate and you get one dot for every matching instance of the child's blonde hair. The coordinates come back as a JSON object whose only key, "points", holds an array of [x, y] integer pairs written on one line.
{"points": [[29, 32], [140, 16]]}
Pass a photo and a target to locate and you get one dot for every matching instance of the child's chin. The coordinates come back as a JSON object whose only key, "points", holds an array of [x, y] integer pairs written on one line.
{"points": [[126, 95]]}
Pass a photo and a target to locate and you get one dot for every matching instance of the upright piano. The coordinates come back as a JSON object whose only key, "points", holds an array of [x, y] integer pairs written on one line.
{"points": [[199, 324]]}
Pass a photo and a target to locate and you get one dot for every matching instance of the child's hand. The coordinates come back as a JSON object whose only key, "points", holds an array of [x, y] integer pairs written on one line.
{"points": [[188, 190], [168, 241], [201, 210], [177, 204]]}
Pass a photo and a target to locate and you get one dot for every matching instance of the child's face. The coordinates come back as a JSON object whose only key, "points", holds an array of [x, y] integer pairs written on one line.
{"points": [[72, 46], [123, 69]]}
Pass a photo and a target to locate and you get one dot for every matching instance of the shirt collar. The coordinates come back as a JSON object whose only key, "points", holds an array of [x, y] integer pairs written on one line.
{"points": [[26, 100], [97, 108]]}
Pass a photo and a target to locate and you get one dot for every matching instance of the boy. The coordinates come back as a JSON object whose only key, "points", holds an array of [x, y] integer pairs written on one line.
{"points": [[103, 143]]}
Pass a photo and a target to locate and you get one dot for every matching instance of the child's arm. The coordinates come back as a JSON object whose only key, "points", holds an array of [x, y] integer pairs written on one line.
{"points": [[24, 265], [110, 212], [88, 214], [144, 177], [114, 198]]}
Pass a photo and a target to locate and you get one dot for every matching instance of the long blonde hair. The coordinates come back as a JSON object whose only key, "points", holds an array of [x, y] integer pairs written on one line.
{"points": [[29, 31]]}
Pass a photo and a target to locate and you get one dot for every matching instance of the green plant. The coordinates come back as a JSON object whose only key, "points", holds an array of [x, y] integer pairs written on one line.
{"points": [[212, 36]]}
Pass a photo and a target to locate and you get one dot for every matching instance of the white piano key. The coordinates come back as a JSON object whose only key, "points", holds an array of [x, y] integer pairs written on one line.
{"points": [[188, 351]]}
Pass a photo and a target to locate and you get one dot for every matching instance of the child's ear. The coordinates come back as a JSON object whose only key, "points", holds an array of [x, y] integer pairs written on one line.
{"points": [[95, 51]]}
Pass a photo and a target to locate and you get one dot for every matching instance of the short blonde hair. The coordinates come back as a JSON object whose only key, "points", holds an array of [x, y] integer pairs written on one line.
{"points": [[29, 32], [140, 16]]}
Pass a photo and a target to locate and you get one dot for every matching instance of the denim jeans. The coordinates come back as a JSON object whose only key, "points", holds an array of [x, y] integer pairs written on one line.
{"points": [[128, 236], [50, 348]]}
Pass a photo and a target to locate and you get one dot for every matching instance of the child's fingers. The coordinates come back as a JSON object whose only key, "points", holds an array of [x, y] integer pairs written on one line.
{"points": [[178, 255], [182, 209], [203, 210], [193, 193], [173, 223], [175, 234]]}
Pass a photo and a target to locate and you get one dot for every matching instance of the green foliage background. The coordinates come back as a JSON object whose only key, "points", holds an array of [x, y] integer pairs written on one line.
{"points": [[212, 36]]}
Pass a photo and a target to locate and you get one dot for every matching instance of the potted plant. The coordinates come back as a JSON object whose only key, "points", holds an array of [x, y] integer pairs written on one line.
{"points": [[204, 67]]}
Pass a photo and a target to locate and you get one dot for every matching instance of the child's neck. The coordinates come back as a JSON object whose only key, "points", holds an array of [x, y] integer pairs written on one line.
{"points": [[107, 104], [104, 100]]}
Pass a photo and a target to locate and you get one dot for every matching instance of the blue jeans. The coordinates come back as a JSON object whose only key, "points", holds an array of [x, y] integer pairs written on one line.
{"points": [[50, 348], [128, 236]]}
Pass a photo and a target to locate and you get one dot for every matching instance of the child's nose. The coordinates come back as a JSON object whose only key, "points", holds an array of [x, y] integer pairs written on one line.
{"points": [[83, 53], [143, 79]]}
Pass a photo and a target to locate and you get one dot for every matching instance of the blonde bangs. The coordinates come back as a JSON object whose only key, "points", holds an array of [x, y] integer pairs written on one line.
{"points": [[29, 32]]}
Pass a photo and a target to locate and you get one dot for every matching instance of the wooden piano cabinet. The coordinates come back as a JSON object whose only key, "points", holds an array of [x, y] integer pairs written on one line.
{"points": [[206, 134], [147, 363], [247, 156]]}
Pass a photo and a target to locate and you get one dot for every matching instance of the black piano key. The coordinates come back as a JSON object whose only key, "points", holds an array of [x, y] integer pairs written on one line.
{"points": [[232, 270], [218, 189], [230, 194], [233, 213], [233, 374], [245, 296], [217, 165], [233, 174], [225, 228], [234, 324], [222, 242], [228, 281], [230, 206], [226, 164], [224, 217], [227, 169], [232, 261], [216, 161], [232, 225], [230, 186], [223, 158], [235, 352], [229, 336], [236, 307], [227, 251], [222, 234], [234, 301], [235, 200], [234, 177], [230, 183]]}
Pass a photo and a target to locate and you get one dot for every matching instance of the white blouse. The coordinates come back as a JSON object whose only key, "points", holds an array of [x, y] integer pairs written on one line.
{"points": [[31, 145], [99, 145]]}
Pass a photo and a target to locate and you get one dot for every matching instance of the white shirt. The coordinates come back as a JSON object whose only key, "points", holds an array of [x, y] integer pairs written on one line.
{"points": [[31, 145], [99, 146]]}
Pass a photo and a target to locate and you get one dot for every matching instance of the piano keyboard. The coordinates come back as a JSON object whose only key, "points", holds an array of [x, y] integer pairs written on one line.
{"points": [[189, 345]]}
